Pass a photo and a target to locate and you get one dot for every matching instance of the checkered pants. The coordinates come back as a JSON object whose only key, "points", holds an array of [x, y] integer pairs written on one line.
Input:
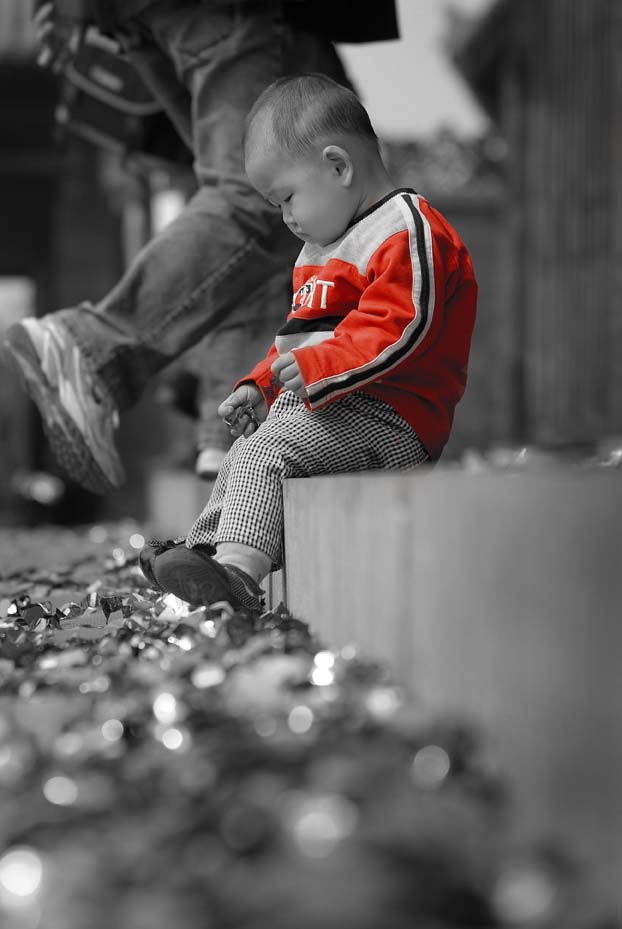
{"points": [[356, 433]]}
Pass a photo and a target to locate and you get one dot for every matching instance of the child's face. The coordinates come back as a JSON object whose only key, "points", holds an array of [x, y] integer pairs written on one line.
{"points": [[314, 202]]}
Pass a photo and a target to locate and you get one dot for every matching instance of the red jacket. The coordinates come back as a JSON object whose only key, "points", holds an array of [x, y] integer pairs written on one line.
{"points": [[388, 308]]}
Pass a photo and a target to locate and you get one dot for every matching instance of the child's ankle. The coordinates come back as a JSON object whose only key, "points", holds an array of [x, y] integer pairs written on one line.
{"points": [[252, 561]]}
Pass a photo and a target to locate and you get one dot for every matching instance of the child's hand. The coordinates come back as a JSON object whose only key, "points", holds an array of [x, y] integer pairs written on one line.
{"points": [[286, 369], [244, 410]]}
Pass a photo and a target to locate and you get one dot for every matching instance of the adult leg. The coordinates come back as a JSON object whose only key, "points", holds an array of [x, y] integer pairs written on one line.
{"points": [[218, 107], [233, 349], [83, 363]]}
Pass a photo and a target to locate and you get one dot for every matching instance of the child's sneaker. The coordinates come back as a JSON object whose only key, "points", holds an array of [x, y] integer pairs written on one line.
{"points": [[78, 416], [194, 576]]}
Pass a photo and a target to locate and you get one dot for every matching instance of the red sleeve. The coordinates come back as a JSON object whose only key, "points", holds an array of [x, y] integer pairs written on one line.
{"points": [[262, 376]]}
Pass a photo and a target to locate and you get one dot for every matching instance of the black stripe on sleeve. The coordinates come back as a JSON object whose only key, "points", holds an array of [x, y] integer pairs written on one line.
{"points": [[319, 324]]}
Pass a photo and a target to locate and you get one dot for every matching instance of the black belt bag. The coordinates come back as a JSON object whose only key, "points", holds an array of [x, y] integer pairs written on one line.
{"points": [[104, 99]]}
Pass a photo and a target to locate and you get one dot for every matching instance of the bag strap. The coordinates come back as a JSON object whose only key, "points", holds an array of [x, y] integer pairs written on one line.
{"points": [[98, 12]]}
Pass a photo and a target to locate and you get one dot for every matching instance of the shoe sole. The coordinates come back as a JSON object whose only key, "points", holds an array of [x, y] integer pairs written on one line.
{"points": [[65, 439], [192, 578]]}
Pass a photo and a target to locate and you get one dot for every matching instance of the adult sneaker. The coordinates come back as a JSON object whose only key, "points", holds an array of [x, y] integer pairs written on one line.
{"points": [[79, 417]]}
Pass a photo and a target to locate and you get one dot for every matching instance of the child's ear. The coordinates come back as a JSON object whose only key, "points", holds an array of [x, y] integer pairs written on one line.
{"points": [[340, 163]]}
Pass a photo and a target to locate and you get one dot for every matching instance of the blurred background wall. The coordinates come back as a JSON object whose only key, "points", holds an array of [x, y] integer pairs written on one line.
{"points": [[550, 75], [535, 190]]}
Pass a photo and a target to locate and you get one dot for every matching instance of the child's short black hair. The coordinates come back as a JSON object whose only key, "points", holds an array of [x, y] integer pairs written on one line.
{"points": [[307, 109]]}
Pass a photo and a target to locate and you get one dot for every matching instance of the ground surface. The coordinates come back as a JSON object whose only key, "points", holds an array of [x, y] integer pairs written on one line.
{"points": [[162, 766]]}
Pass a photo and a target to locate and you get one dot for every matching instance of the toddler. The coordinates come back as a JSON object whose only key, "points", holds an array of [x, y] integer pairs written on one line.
{"points": [[371, 361]]}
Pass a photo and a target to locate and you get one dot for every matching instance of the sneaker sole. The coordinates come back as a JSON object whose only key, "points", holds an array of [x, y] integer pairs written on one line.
{"points": [[66, 441], [192, 578]]}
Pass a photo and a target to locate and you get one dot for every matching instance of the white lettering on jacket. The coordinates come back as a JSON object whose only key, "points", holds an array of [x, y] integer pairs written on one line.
{"points": [[306, 294], [325, 285]]}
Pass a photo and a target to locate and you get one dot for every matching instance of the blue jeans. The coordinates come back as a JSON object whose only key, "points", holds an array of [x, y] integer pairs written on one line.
{"points": [[233, 349], [208, 63]]}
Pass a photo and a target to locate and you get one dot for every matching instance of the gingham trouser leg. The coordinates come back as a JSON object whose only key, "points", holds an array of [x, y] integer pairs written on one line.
{"points": [[356, 433]]}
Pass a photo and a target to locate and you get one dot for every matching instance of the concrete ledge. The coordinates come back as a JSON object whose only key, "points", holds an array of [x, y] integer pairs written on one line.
{"points": [[496, 595]]}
